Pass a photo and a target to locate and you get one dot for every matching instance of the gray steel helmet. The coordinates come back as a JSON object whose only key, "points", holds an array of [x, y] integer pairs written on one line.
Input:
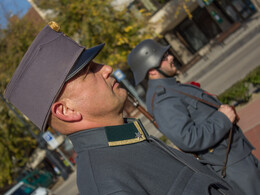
{"points": [[146, 55]]}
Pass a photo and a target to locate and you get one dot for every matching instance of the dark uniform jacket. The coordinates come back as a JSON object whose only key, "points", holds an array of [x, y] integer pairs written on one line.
{"points": [[125, 160], [192, 125]]}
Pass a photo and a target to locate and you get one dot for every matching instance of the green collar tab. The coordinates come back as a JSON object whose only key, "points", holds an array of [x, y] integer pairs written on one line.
{"points": [[124, 134]]}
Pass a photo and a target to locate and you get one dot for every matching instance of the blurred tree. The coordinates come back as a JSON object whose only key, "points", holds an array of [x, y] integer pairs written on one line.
{"points": [[15, 142], [94, 22]]}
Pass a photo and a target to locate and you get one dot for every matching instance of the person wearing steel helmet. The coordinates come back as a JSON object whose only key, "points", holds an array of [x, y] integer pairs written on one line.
{"points": [[193, 126], [59, 84]]}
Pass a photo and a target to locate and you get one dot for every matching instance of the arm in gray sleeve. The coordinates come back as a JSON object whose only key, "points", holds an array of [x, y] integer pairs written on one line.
{"points": [[175, 122]]}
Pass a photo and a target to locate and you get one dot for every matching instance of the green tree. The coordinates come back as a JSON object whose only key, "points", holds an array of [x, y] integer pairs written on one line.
{"points": [[94, 22], [15, 142]]}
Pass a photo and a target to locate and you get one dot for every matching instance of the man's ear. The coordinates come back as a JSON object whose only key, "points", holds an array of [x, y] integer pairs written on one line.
{"points": [[64, 113]]}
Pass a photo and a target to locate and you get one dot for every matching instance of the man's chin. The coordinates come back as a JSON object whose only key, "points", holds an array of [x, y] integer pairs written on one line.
{"points": [[122, 94]]}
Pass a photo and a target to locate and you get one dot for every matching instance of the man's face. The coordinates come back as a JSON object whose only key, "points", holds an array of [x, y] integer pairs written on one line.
{"points": [[94, 93], [167, 65]]}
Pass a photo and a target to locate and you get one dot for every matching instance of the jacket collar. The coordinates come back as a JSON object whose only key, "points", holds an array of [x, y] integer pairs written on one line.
{"points": [[164, 81], [129, 133]]}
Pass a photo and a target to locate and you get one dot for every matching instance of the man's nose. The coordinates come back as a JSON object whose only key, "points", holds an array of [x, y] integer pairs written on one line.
{"points": [[106, 71]]}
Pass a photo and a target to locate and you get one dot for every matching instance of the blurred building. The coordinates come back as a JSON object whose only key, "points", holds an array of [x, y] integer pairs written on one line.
{"points": [[194, 27], [34, 16]]}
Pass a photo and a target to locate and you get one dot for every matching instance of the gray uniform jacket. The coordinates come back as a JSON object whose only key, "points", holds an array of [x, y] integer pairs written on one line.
{"points": [[192, 125], [125, 160], [199, 128]]}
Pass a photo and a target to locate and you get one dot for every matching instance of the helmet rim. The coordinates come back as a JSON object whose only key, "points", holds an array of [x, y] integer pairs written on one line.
{"points": [[146, 55]]}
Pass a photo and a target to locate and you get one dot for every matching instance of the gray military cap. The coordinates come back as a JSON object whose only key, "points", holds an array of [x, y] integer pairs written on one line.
{"points": [[51, 60]]}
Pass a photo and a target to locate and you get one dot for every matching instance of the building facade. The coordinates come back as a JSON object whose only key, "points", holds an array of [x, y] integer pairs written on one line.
{"points": [[194, 27]]}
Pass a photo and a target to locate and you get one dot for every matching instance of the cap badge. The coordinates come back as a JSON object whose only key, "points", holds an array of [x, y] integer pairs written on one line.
{"points": [[54, 26]]}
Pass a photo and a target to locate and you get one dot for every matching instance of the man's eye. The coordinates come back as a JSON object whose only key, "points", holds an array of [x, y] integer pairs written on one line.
{"points": [[89, 68]]}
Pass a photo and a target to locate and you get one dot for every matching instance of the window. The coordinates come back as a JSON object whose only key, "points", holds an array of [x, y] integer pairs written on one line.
{"points": [[191, 36]]}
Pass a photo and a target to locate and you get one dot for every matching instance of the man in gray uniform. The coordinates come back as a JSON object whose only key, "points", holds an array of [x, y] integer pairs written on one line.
{"points": [[57, 83], [191, 123]]}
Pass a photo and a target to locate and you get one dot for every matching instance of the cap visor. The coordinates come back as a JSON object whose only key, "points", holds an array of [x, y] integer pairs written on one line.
{"points": [[86, 56]]}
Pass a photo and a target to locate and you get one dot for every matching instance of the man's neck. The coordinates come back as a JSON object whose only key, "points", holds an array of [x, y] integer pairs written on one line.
{"points": [[164, 74], [157, 76], [93, 123], [104, 121]]}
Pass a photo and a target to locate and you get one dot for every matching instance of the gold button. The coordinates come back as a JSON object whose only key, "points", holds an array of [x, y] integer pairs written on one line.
{"points": [[54, 26]]}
